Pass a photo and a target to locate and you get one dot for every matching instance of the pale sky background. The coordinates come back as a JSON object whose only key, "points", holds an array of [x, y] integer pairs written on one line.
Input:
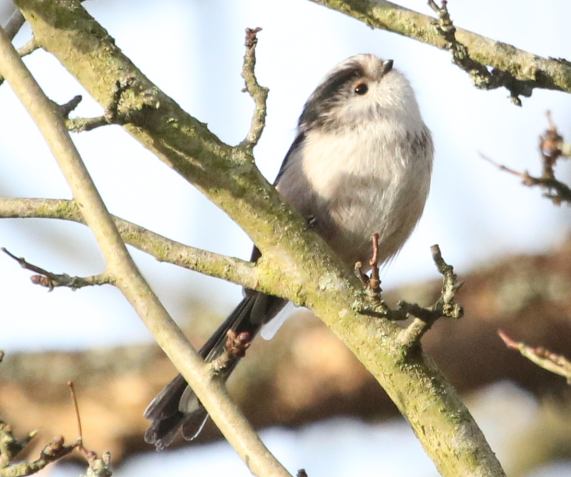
{"points": [[193, 51]]}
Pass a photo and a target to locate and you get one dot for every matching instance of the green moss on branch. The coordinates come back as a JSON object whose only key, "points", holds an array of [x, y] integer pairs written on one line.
{"points": [[314, 276]]}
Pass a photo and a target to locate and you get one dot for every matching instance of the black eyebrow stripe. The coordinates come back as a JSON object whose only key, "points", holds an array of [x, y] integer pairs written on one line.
{"points": [[321, 98]]}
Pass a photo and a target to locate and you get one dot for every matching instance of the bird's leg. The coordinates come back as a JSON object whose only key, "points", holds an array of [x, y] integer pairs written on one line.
{"points": [[372, 283]]}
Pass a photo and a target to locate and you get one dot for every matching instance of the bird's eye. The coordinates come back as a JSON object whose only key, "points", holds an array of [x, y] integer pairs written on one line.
{"points": [[361, 89]]}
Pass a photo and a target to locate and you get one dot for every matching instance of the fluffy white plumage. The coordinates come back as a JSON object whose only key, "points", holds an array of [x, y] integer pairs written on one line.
{"points": [[364, 164]]}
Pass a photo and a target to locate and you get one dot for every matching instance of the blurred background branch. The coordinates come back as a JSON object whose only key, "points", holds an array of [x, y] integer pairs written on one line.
{"points": [[298, 390]]}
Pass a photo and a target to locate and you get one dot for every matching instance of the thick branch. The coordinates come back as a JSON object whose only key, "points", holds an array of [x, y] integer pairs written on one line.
{"points": [[522, 71], [125, 273], [306, 388], [305, 270]]}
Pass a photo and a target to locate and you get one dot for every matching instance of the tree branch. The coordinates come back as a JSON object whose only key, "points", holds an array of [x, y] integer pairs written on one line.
{"points": [[258, 93], [552, 362], [445, 305], [11, 447], [14, 24], [518, 70], [232, 269], [305, 270], [52, 280], [551, 148], [125, 273]]}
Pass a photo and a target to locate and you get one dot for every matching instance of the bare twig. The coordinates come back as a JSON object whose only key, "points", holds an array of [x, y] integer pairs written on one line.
{"points": [[258, 93], [423, 317], [87, 124], [162, 248], [51, 280], [68, 107], [551, 147], [71, 387], [97, 466], [552, 362], [53, 451], [10, 448], [111, 115], [127, 277], [444, 307], [482, 77]]}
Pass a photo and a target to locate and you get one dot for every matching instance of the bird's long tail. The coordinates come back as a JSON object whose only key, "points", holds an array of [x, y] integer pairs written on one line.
{"points": [[176, 406]]}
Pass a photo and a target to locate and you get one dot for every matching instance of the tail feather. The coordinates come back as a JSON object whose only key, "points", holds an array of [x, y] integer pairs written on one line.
{"points": [[176, 406]]}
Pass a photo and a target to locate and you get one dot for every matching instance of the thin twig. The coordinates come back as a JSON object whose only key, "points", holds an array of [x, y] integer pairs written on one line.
{"points": [[258, 93], [67, 108], [52, 452], [552, 362], [551, 148], [11, 447], [444, 307], [233, 269], [423, 317], [86, 124], [98, 466], [482, 77], [76, 410], [51, 280], [112, 115]]}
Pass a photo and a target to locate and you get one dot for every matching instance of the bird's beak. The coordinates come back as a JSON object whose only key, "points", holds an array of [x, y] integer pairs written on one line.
{"points": [[387, 66]]}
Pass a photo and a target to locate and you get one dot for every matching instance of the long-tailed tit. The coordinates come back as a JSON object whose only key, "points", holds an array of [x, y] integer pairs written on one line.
{"points": [[360, 164]]}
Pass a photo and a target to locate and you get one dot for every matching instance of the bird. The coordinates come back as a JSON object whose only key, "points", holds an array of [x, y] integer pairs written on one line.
{"points": [[360, 164]]}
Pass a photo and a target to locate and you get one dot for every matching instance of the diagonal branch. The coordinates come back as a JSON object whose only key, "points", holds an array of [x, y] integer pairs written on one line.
{"points": [[125, 273], [305, 269], [14, 24], [518, 70]]}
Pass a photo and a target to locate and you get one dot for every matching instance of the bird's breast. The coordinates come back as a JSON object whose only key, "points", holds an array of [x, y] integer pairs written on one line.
{"points": [[360, 182]]}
